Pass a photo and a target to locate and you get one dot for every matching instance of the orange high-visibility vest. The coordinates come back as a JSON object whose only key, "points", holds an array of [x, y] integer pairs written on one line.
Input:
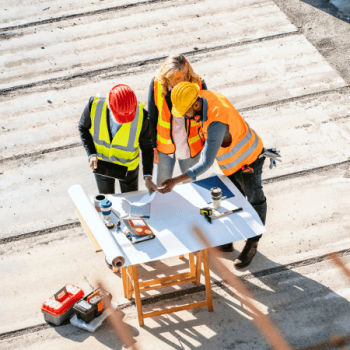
{"points": [[165, 142], [246, 145]]}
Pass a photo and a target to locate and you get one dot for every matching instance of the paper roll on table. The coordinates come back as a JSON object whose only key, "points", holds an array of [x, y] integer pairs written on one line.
{"points": [[96, 225]]}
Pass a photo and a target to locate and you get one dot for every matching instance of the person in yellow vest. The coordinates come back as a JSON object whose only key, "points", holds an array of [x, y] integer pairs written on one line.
{"points": [[172, 138], [234, 144], [114, 129]]}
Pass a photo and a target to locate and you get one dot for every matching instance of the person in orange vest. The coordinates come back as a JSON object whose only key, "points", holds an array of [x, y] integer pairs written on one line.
{"points": [[234, 144], [172, 138]]}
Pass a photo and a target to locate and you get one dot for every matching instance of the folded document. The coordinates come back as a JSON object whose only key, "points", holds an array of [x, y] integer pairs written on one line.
{"points": [[141, 208]]}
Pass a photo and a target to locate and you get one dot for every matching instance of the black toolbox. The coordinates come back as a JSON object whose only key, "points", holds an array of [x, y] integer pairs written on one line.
{"points": [[93, 305], [85, 311], [97, 302]]}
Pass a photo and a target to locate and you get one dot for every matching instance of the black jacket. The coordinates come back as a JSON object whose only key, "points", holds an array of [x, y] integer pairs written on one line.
{"points": [[145, 137]]}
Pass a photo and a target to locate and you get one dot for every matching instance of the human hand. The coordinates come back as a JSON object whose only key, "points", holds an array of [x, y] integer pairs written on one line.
{"points": [[150, 185], [156, 156], [167, 185], [93, 162]]}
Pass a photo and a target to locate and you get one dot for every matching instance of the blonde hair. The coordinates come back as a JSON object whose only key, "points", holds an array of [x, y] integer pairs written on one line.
{"points": [[173, 64]]}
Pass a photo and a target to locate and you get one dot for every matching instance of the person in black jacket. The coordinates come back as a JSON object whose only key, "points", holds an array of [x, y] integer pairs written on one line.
{"points": [[120, 110]]}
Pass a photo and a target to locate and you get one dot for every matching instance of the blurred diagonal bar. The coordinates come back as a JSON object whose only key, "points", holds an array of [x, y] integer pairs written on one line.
{"points": [[264, 324]]}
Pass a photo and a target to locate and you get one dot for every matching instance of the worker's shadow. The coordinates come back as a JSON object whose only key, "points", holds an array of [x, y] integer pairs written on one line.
{"points": [[108, 334], [305, 311]]}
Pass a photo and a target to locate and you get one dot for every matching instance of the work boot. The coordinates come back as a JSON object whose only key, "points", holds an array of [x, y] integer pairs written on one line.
{"points": [[227, 247], [247, 255]]}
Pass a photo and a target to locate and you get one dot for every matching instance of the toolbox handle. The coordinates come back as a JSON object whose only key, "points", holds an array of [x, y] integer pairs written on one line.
{"points": [[63, 289]]}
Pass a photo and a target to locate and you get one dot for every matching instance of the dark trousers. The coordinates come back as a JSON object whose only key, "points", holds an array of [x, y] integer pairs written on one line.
{"points": [[250, 186], [130, 183]]}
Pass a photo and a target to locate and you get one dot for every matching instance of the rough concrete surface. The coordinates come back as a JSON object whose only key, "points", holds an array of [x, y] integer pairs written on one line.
{"points": [[135, 33], [283, 64], [259, 73], [326, 25]]}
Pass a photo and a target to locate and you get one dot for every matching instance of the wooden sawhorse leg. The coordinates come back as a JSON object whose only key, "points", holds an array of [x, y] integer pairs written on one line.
{"points": [[125, 281], [198, 267], [134, 286], [137, 295], [207, 279]]}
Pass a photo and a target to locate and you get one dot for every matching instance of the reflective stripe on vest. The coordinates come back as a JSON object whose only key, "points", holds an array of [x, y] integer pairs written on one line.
{"points": [[124, 148], [164, 140], [242, 157], [246, 145], [195, 142]]}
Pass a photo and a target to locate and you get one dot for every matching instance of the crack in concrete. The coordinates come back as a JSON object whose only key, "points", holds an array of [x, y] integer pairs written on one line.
{"points": [[343, 89], [38, 233], [38, 153], [307, 172], [189, 291], [99, 71], [82, 14]]}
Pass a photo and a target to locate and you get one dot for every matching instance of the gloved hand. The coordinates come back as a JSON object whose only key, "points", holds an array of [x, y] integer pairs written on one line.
{"points": [[273, 154]]}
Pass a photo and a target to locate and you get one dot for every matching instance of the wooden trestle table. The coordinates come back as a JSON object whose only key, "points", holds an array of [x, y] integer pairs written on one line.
{"points": [[172, 217]]}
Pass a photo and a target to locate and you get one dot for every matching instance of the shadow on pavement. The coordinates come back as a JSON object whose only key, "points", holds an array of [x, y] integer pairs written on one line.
{"points": [[336, 8], [305, 312], [105, 334]]}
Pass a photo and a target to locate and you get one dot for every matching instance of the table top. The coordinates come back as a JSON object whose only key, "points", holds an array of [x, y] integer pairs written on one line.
{"points": [[174, 214]]}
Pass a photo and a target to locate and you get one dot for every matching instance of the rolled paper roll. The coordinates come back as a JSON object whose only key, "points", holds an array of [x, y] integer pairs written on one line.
{"points": [[96, 225]]}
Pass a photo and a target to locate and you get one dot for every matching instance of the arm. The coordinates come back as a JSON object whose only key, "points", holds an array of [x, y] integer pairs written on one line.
{"points": [[216, 134], [152, 115], [147, 153], [86, 138]]}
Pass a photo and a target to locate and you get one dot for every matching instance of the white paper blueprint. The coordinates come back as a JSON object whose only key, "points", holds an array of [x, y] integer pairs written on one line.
{"points": [[173, 216]]}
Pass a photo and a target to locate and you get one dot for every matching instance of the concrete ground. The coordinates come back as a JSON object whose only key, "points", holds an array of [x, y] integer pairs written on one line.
{"points": [[283, 64]]}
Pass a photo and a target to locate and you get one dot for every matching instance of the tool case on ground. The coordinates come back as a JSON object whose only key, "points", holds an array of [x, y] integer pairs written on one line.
{"points": [[105, 296], [93, 305], [59, 306], [85, 311], [97, 302]]}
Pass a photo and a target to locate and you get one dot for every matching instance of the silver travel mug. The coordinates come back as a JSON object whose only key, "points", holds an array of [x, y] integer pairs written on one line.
{"points": [[216, 194]]}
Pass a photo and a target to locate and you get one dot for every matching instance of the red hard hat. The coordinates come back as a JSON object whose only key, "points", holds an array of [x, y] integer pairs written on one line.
{"points": [[122, 102]]}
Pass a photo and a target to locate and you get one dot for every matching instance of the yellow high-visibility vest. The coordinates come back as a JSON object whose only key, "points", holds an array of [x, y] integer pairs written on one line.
{"points": [[124, 149]]}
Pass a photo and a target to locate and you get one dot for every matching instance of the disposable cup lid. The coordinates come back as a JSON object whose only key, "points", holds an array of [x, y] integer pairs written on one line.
{"points": [[106, 203]]}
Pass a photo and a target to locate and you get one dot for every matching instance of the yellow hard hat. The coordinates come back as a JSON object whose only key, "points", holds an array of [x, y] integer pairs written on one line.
{"points": [[183, 97]]}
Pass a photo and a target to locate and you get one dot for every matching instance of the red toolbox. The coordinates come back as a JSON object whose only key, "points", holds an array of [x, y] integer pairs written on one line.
{"points": [[59, 306]]}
